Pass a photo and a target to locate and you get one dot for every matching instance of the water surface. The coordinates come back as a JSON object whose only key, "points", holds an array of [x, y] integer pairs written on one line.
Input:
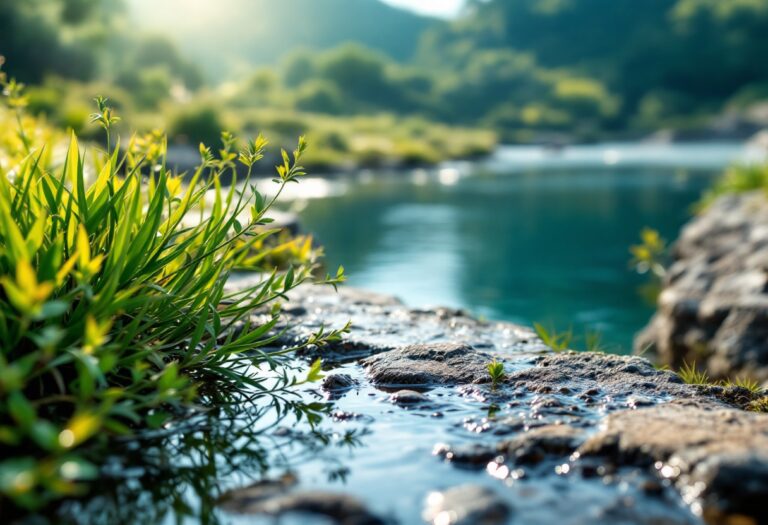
{"points": [[531, 235]]}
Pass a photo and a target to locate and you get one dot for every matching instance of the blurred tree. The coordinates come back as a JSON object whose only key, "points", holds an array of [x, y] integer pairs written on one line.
{"points": [[33, 42], [624, 58]]}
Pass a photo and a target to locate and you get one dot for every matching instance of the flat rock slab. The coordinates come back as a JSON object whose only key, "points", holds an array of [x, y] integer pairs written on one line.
{"points": [[428, 365]]}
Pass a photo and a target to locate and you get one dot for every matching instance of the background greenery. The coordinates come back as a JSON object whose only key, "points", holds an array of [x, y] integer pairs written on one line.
{"points": [[510, 70]]}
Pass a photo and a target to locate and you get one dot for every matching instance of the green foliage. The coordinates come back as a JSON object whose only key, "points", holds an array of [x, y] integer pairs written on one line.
{"points": [[530, 70], [114, 315], [320, 97], [196, 124], [738, 179], [650, 65], [41, 38], [254, 32], [692, 375], [557, 341], [593, 341], [496, 371], [560, 341]]}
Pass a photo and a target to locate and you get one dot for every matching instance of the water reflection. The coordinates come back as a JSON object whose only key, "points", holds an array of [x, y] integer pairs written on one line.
{"points": [[178, 474], [546, 244]]}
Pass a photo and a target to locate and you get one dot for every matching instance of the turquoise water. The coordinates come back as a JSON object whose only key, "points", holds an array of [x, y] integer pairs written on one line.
{"points": [[528, 236]]}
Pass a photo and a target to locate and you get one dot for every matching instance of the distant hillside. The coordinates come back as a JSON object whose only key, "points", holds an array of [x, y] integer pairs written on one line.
{"points": [[261, 31]]}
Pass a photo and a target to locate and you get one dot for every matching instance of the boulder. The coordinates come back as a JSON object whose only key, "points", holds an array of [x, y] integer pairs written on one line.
{"points": [[713, 308]]}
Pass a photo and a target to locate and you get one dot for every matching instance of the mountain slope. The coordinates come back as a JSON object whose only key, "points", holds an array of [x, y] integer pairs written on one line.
{"points": [[225, 33]]}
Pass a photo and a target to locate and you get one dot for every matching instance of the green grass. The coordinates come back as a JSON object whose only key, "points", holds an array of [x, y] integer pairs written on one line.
{"points": [[746, 383], [737, 179], [557, 341], [691, 375], [114, 317]]}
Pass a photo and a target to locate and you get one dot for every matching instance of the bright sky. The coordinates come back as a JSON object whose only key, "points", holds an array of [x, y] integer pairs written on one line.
{"points": [[443, 8]]}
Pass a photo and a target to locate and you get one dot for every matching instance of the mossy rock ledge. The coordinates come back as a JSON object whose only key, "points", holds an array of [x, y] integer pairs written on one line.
{"points": [[563, 438]]}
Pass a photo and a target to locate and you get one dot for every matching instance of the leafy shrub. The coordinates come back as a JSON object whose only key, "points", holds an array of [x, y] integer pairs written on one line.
{"points": [[114, 316], [197, 124], [320, 97]]}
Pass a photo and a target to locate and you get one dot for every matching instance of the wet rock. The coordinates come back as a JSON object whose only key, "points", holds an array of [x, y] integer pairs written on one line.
{"points": [[718, 457], [470, 455], [594, 376], [714, 305], [337, 383], [341, 415], [381, 323], [529, 447], [466, 505], [429, 365], [340, 508], [409, 397], [539, 443], [257, 492]]}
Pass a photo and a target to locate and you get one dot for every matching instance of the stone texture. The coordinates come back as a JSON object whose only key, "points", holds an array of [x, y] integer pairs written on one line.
{"points": [[381, 323], [429, 365], [537, 444], [409, 397], [466, 505], [338, 383], [718, 457], [713, 308], [525, 448], [592, 377]]}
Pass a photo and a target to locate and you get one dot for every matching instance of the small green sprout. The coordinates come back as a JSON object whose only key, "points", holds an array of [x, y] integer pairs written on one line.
{"points": [[496, 371]]}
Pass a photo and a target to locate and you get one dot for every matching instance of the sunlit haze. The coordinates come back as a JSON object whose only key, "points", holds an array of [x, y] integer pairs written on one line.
{"points": [[441, 8]]}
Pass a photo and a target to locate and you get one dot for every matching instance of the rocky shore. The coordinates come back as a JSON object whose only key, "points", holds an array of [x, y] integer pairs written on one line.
{"points": [[713, 308], [571, 438]]}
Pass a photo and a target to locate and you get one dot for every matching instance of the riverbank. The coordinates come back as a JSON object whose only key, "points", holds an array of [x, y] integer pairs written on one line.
{"points": [[571, 438]]}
